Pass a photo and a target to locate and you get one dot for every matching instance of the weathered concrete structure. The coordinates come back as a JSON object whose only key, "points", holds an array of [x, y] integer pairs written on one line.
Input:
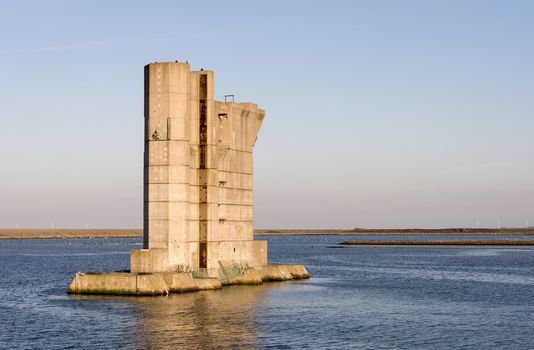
{"points": [[198, 174], [198, 192]]}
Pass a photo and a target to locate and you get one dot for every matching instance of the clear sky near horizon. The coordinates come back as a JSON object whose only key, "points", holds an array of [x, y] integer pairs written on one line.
{"points": [[379, 113]]}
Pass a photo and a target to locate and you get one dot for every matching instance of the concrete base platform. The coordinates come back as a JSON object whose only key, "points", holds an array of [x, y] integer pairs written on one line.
{"points": [[118, 283], [252, 253], [152, 284], [273, 273]]}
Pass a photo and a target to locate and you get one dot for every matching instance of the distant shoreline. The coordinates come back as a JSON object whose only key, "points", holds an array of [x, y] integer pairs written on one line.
{"points": [[68, 233], [397, 231], [442, 242], [125, 233]]}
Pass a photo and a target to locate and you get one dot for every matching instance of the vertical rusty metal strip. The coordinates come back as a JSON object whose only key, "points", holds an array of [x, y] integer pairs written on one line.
{"points": [[203, 172]]}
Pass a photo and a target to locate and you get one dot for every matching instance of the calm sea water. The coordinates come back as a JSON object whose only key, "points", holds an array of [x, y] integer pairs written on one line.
{"points": [[359, 297]]}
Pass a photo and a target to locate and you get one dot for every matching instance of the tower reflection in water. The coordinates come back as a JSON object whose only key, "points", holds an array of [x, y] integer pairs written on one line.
{"points": [[200, 320]]}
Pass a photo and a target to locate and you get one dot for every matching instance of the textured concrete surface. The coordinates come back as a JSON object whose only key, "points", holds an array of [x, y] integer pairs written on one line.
{"points": [[297, 271], [208, 283], [275, 273], [163, 283], [248, 276], [118, 283], [180, 282], [198, 194], [198, 198]]}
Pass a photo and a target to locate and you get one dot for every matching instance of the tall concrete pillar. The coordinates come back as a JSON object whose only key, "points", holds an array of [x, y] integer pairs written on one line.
{"points": [[166, 181], [197, 193], [198, 175]]}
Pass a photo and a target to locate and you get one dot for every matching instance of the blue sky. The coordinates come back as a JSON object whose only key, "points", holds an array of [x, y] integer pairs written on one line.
{"points": [[379, 113]]}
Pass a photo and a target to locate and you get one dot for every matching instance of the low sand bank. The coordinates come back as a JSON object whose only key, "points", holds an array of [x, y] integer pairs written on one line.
{"points": [[396, 231], [444, 242], [101, 233], [67, 233]]}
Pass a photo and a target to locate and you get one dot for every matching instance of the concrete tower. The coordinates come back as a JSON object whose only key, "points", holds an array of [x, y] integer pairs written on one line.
{"points": [[197, 194], [198, 189]]}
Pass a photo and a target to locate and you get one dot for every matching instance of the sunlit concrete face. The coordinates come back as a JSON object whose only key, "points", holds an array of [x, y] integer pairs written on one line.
{"points": [[198, 174]]}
